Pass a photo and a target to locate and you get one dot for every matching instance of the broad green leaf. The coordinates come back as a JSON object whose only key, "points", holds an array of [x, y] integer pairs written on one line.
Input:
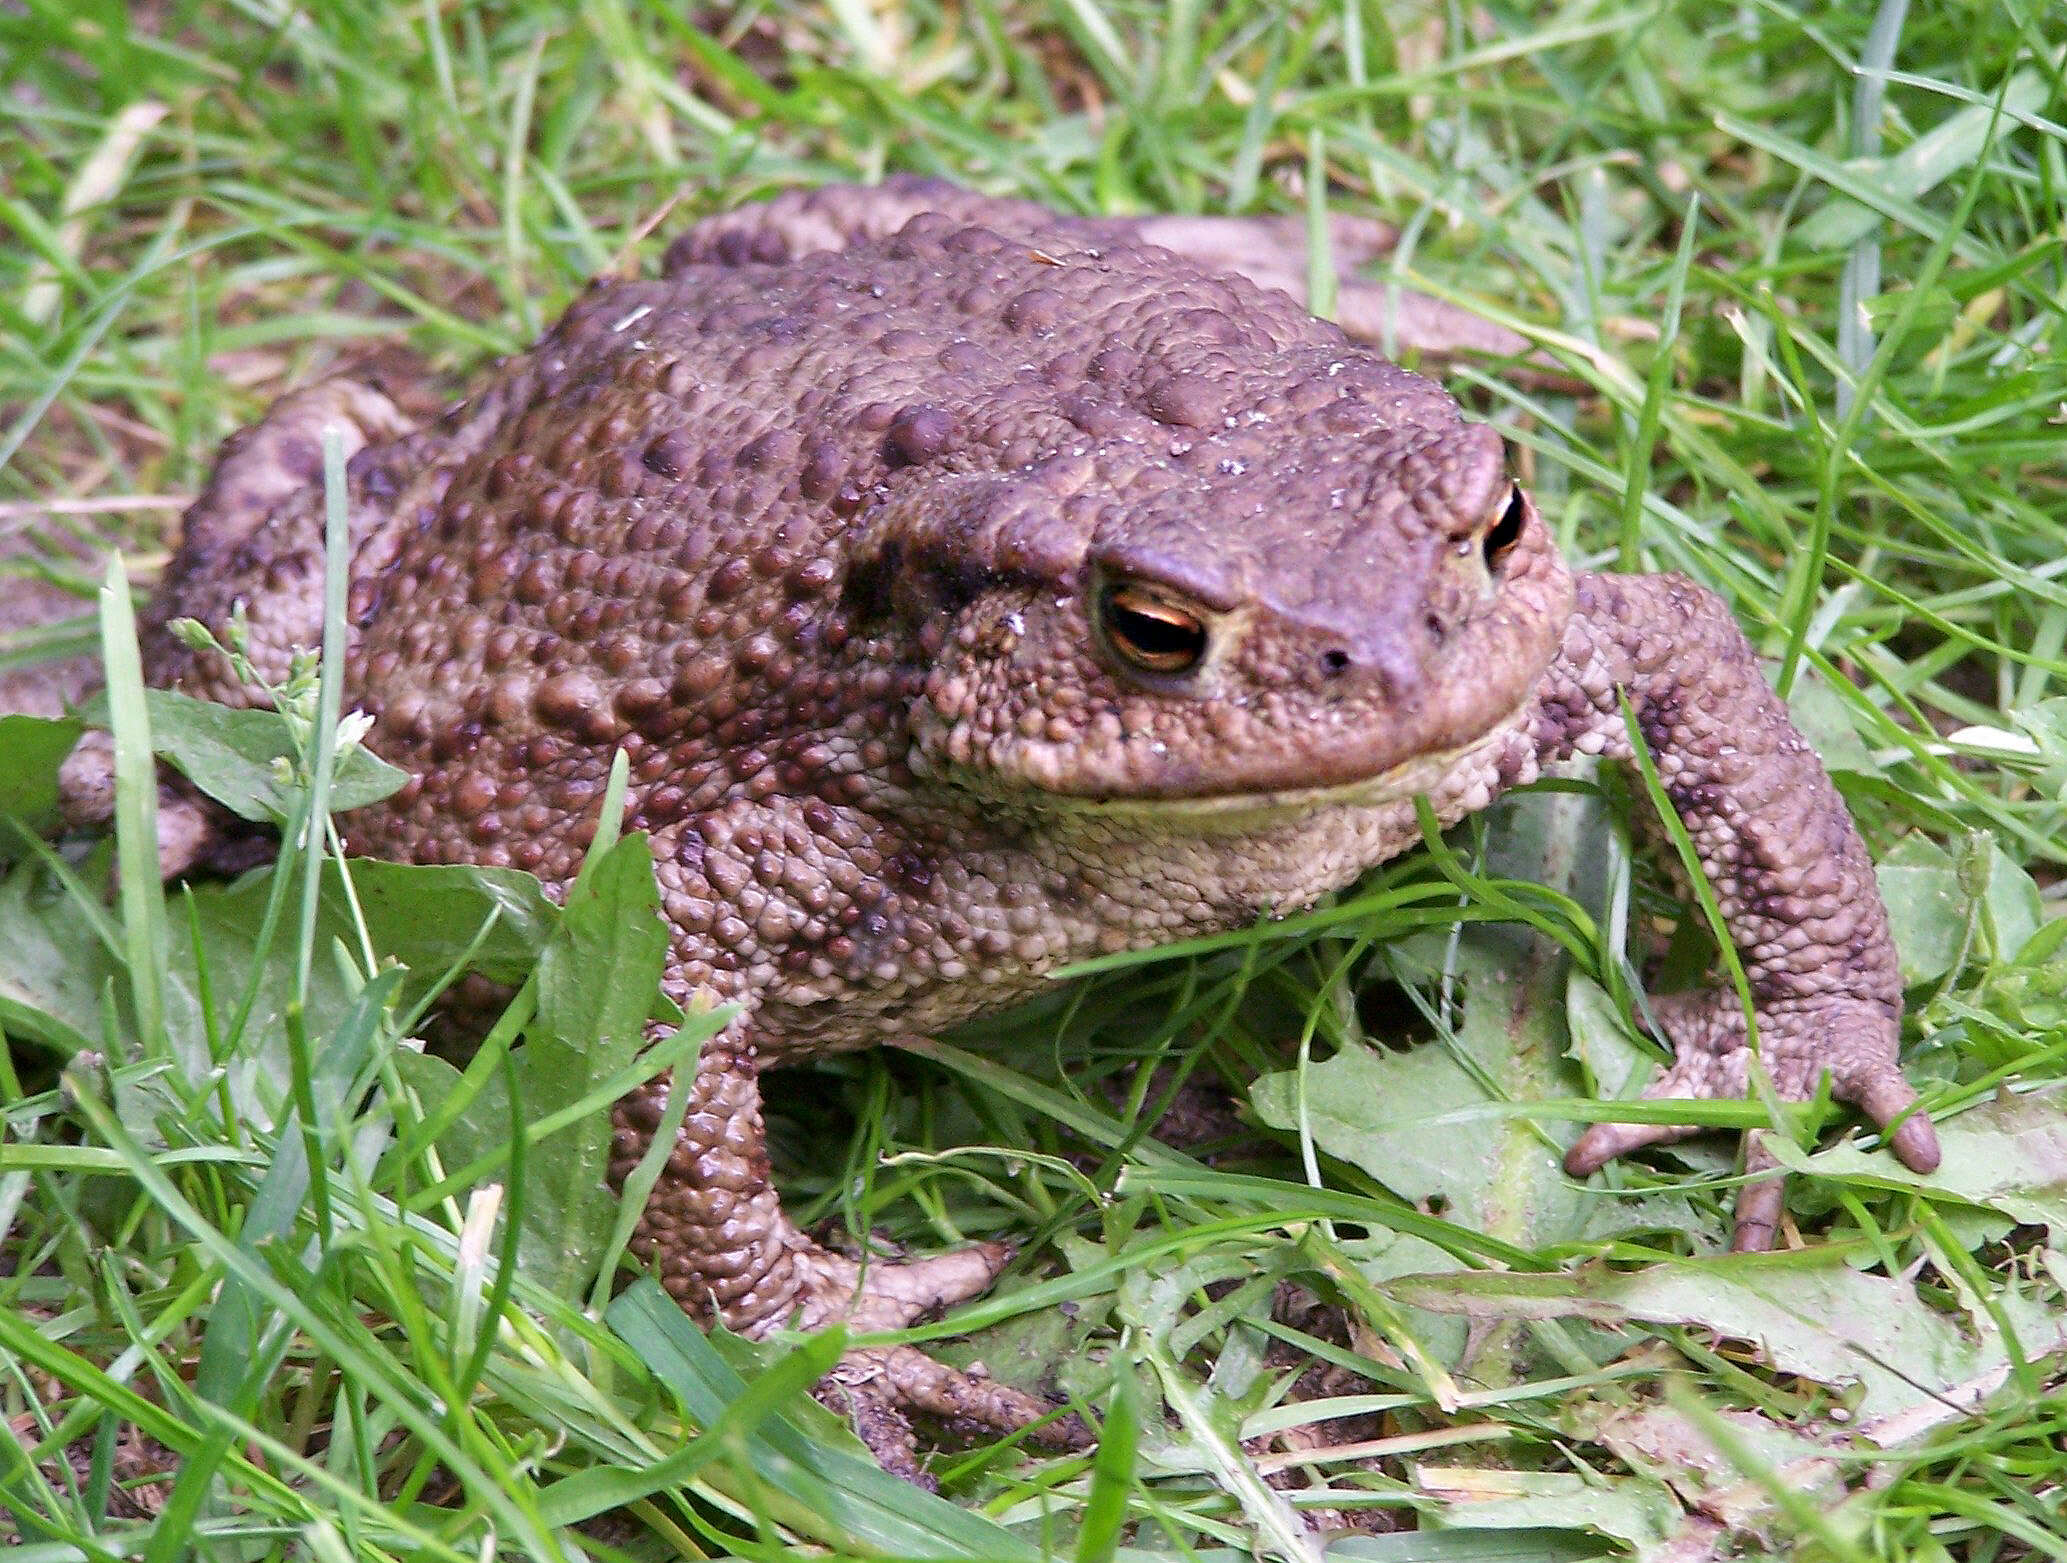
{"points": [[1826, 721], [1636, 1511], [1927, 909], [1808, 1313], [428, 916], [598, 982], [421, 917], [1941, 904], [53, 964], [1413, 1117], [1601, 1041], [2010, 896], [2009, 1154], [230, 754], [31, 749], [2030, 991], [1029, 1350]]}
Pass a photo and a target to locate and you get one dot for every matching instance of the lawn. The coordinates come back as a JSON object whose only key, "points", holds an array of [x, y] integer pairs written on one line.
{"points": [[274, 1282]]}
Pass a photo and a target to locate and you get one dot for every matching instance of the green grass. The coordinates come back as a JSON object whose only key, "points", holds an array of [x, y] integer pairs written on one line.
{"points": [[1800, 269]]}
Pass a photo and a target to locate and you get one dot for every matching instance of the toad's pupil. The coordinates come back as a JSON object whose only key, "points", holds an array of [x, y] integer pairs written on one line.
{"points": [[1507, 531], [1152, 635]]}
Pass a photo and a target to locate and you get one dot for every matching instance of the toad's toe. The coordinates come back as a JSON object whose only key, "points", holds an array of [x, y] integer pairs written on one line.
{"points": [[881, 1387], [1709, 1064], [886, 1295]]}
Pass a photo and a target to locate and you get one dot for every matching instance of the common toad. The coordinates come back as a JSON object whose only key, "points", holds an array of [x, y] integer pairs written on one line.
{"points": [[975, 594]]}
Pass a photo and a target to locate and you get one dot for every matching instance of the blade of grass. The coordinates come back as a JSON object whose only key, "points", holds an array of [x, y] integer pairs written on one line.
{"points": [[136, 811]]}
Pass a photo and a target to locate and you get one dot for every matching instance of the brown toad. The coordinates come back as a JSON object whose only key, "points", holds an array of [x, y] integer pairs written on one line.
{"points": [[979, 594]]}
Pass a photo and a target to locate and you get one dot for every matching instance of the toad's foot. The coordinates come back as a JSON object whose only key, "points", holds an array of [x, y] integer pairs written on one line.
{"points": [[1854, 1041], [881, 1387], [888, 1294]]}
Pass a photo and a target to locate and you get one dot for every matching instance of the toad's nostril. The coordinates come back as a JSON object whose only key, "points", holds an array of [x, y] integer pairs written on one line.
{"points": [[1391, 670]]}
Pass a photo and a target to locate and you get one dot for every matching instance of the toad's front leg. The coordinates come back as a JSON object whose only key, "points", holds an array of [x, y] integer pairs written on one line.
{"points": [[748, 888], [1790, 874], [716, 1234]]}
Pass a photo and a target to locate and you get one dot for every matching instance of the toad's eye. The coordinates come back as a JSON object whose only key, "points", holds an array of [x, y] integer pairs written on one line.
{"points": [[1153, 635], [1503, 534]]}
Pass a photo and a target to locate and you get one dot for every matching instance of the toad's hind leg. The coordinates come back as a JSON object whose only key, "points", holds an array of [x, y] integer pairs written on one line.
{"points": [[255, 538], [1270, 251], [252, 542], [718, 1238]]}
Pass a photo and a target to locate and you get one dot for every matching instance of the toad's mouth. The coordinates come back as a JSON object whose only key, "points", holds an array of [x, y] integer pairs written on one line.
{"points": [[1242, 810], [1397, 784]]}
